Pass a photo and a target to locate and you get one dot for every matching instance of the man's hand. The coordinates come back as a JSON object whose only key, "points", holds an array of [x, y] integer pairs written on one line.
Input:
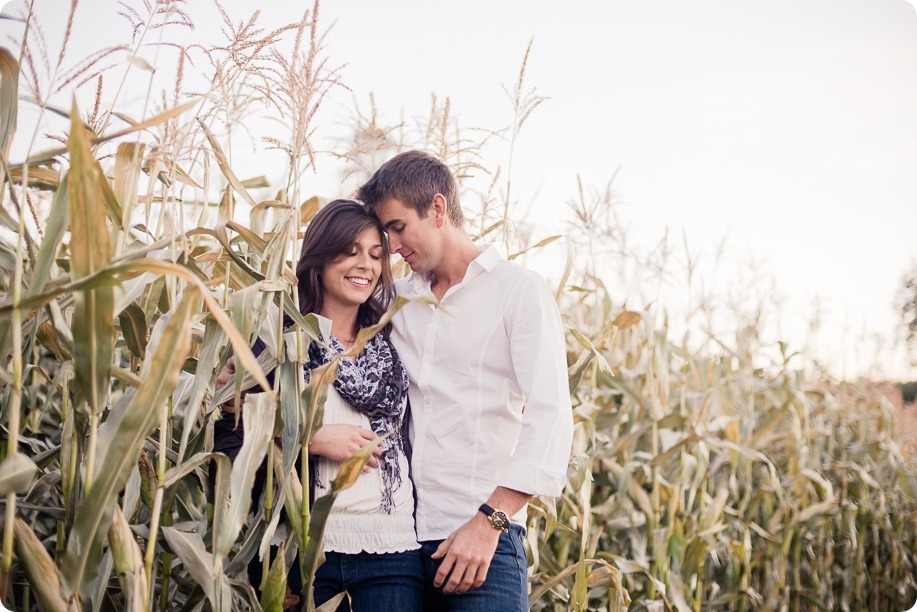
{"points": [[466, 555], [340, 442]]}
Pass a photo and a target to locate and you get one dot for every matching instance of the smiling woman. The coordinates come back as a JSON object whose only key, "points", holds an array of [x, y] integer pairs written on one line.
{"points": [[344, 248], [344, 275], [351, 279]]}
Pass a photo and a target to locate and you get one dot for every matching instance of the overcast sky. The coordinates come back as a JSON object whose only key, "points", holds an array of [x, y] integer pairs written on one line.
{"points": [[789, 126]]}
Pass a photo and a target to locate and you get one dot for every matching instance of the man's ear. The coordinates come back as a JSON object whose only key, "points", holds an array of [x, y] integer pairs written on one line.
{"points": [[439, 209]]}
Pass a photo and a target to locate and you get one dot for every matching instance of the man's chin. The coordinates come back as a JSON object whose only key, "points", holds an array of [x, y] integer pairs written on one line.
{"points": [[416, 266]]}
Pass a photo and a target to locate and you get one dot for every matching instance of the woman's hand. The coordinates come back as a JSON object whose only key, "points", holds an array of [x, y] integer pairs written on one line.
{"points": [[225, 376], [228, 371], [340, 442]]}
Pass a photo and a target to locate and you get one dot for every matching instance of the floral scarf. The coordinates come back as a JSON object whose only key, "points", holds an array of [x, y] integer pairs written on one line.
{"points": [[376, 384]]}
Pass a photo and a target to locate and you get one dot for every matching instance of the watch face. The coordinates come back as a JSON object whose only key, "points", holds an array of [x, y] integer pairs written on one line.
{"points": [[499, 520]]}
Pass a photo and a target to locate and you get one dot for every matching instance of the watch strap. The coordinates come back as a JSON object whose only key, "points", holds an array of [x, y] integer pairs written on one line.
{"points": [[497, 518]]}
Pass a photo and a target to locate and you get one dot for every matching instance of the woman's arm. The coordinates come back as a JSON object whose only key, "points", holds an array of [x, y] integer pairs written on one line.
{"points": [[340, 442]]}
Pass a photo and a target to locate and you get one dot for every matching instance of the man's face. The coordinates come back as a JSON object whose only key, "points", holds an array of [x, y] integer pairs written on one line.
{"points": [[413, 237]]}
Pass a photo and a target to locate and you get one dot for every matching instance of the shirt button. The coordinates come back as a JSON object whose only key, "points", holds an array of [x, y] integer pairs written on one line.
{"points": [[426, 365], [427, 401]]}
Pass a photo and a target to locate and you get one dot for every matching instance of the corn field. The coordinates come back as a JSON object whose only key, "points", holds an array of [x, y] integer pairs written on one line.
{"points": [[137, 258]]}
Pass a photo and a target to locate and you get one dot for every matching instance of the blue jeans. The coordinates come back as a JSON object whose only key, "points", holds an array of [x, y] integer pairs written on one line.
{"points": [[503, 590], [386, 581]]}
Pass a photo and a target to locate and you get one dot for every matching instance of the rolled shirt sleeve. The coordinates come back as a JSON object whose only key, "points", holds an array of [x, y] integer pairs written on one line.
{"points": [[538, 464]]}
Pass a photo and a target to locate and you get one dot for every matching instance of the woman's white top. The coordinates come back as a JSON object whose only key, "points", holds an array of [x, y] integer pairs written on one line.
{"points": [[357, 521]]}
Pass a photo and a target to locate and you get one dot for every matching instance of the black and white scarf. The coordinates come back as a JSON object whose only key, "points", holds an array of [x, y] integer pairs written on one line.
{"points": [[376, 384]]}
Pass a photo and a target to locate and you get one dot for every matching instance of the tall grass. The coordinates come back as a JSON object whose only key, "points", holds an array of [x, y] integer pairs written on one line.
{"points": [[136, 259]]}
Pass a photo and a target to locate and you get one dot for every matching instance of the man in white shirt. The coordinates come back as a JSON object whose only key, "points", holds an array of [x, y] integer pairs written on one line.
{"points": [[491, 420]]}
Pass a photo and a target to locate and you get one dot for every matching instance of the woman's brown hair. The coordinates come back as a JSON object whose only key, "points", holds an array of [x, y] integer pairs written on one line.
{"points": [[332, 234]]}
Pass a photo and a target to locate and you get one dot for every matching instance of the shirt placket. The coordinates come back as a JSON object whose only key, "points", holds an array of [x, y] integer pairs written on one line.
{"points": [[423, 383], [426, 359]]}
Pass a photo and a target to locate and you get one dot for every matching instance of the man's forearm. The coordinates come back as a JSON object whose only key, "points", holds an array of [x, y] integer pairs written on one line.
{"points": [[509, 501], [468, 550]]}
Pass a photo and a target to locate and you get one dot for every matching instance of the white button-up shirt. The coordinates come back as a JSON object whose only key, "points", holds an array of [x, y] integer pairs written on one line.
{"points": [[490, 401]]}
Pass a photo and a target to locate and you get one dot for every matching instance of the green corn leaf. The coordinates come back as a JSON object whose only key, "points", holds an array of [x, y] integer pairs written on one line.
{"points": [[291, 411], [120, 439], [207, 361], [114, 274], [314, 396], [258, 418], [90, 253], [275, 589], [313, 556], [58, 220]]}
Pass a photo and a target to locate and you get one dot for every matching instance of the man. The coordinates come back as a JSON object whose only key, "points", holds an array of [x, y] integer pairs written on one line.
{"points": [[491, 420]]}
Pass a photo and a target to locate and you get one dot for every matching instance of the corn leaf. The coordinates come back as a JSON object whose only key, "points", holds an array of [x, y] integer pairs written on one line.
{"points": [[224, 165], [16, 474], [332, 604], [90, 249], [275, 589], [58, 220], [38, 176], [9, 103], [127, 174], [258, 417], [120, 439], [46, 156], [194, 556], [313, 556], [41, 570], [128, 562], [537, 245], [133, 329]]}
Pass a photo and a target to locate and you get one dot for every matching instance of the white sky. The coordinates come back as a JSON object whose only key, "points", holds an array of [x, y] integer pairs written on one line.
{"points": [[788, 125]]}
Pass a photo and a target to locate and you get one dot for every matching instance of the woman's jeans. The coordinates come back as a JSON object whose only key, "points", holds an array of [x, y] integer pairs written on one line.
{"points": [[504, 590], [383, 581]]}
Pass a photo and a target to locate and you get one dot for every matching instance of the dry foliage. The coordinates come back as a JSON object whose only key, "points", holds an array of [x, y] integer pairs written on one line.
{"points": [[720, 477]]}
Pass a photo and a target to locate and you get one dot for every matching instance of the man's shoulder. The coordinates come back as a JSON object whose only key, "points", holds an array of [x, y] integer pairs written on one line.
{"points": [[513, 276], [403, 286]]}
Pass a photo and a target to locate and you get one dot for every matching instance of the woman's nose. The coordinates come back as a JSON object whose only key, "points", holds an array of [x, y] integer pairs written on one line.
{"points": [[363, 260]]}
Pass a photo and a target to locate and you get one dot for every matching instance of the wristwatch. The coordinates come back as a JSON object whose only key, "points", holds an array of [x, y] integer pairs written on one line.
{"points": [[497, 518]]}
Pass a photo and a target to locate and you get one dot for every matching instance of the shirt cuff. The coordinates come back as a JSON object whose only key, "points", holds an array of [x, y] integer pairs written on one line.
{"points": [[533, 479]]}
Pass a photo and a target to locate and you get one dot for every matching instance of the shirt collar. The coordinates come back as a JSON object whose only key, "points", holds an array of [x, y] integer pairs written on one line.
{"points": [[487, 260]]}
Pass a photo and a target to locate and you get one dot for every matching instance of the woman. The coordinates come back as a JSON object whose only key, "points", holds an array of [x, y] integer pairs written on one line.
{"points": [[371, 550]]}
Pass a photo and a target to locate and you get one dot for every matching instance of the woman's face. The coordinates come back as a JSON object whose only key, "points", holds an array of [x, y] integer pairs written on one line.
{"points": [[351, 279]]}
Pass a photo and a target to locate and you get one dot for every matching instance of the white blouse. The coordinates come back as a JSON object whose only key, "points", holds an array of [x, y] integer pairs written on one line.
{"points": [[357, 521]]}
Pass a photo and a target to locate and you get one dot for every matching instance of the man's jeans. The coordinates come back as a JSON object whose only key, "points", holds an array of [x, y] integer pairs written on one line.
{"points": [[387, 581], [504, 589]]}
